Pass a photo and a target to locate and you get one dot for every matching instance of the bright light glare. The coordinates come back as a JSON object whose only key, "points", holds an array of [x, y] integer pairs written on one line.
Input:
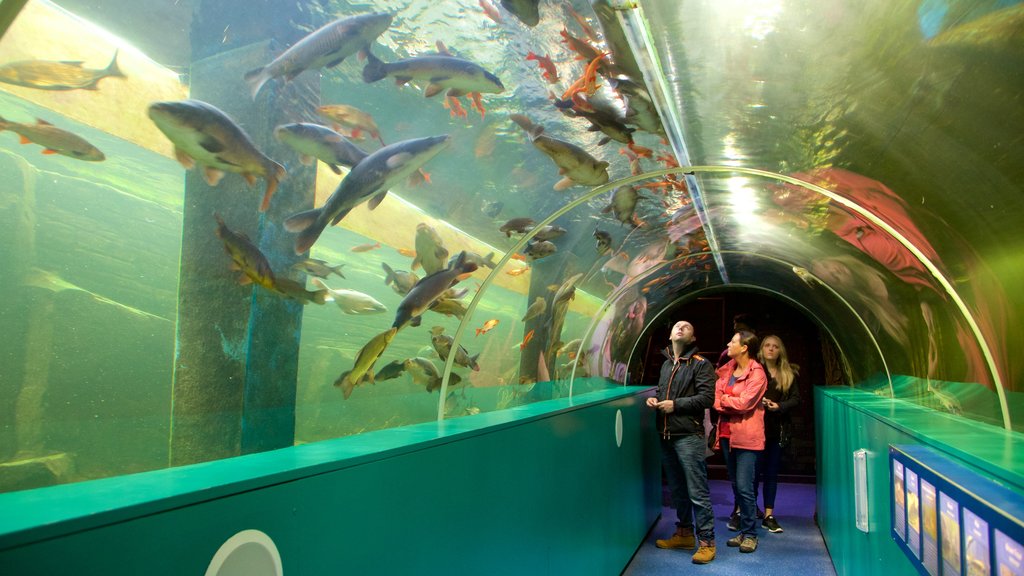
{"points": [[743, 200], [756, 17]]}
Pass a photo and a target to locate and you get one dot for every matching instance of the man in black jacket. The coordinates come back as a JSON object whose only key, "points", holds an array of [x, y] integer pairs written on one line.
{"points": [[686, 389]]}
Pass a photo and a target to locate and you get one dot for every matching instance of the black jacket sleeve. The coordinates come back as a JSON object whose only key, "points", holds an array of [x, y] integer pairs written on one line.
{"points": [[793, 399], [704, 385]]}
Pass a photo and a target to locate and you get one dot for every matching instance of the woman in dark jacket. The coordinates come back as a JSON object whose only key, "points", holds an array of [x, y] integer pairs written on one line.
{"points": [[782, 395]]}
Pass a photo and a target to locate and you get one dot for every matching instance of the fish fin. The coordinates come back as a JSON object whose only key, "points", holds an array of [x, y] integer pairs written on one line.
{"points": [[41, 122], [23, 139], [212, 175], [334, 169], [432, 90], [604, 141], [564, 183], [416, 321], [112, 68], [396, 160], [346, 384], [340, 215], [306, 159], [244, 280], [374, 69], [356, 133], [183, 158], [455, 93], [376, 200], [473, 364], [402, 80], [334, 63], [212, 145], [49, 151], [301, 220], [320, 284], [273, 176], [256, 78], [321, 297], [77, 63], [308, 236]]}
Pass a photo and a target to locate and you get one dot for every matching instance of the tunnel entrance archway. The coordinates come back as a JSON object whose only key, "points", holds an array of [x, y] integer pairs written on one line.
{"points": [[808, 345]]}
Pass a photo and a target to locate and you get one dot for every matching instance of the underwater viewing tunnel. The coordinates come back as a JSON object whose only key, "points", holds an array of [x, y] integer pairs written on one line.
{"points": [[288, 280]]}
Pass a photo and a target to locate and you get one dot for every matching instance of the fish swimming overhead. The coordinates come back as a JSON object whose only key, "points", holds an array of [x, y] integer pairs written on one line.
{"points": [[246, 257], [315, 142], [443, 345], [47, 75], [430, 250], [603, 240], [527, 11], [400, 280], [372, 177], [438, 73], [318, 268], [351, 119], [574, 163], [428, 290], [368, 355], [54, 140], [203, 134], [351, 301], [325, 47]]}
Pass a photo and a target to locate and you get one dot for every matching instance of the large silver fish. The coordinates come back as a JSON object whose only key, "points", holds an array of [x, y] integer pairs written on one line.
{"points": [[370, 178], [325, 47], [438, 72], [315, 142], [428, 290], [54, 140], [48, 75], [203, 134], [574, 163]]}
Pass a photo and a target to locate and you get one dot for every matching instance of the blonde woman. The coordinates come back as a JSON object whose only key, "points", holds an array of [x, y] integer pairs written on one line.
{"points": [[782, 395]]}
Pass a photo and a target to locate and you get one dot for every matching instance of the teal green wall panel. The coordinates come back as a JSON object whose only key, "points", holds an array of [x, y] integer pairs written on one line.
{"points": [[848, 420], [524, 492]]}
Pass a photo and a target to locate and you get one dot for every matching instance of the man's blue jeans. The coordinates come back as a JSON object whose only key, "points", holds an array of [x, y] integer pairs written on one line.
{"points": [[687, 473]]}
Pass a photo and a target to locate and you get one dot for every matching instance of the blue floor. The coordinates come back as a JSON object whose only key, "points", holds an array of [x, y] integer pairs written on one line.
{"points": [[799, 549]]}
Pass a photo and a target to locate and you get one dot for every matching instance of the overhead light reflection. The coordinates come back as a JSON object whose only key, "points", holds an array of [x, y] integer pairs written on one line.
{"points": [[756, 17], [742, 199]]}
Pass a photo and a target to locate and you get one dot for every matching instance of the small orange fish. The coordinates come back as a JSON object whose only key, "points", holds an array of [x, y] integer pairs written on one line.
{"points": [[519, 257], [487, 327], [526, 340], [366, 247], [587, 28], [517, 271], [491, 11], [550, 72], [407, 252]]}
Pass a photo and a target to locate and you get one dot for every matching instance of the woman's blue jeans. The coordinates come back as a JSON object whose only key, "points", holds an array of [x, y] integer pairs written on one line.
{"points": [[742, 465]]}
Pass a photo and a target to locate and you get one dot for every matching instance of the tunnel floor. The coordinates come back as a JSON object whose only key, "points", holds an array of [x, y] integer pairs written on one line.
{"points": [[799, 549]]}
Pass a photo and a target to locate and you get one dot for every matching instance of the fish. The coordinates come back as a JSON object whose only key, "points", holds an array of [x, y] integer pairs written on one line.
{"points": [[487, 327], [640, 109], [548, 232], [560, 306], [390, 371], [351, 301], [203, 134], [351, 119], [430, 250], [517, 271], [480, 261], [365, 247], [437, 72], [372, 177], [545, 63], [604, 241], [526, 340], [399, 280], [584, 25], [297, 291], [54, 140], [407, 252], [517, 225], [536, 309], [326, 47], [615, 38], [362, 369], [607, 120], [315, 142], [443, 345], [623, 204], [527, 11], [424, 372], [491, 11], [318, 268], [538, 250], [574, 163], [449, 307], [583, 50], [246, 257], [518, 257], [64, 75], [426, 291], [491, 208], [570, 348]]}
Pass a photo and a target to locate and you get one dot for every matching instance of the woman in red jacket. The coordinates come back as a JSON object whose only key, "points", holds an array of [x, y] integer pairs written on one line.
{"points": [[741, 386]]}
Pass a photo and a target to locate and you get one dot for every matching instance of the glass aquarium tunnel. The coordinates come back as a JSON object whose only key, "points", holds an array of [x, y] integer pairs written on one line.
{"points": [[524, 232]]}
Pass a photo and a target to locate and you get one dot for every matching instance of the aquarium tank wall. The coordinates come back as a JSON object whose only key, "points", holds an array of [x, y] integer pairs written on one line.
{"points": [[235, 227]]}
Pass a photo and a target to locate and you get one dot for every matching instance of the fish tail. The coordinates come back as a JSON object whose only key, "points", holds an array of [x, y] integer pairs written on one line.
{"points": [[256, 78], [275, 173], [320, 284], [389, 273], [112, 68], [319, 296], [473, 364], [374, 69]]}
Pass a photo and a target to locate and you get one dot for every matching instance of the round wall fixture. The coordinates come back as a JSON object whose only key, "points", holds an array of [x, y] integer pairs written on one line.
{"points": [[618, 428], [247, 553]]}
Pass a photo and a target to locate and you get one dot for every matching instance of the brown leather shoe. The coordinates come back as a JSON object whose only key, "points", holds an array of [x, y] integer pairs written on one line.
{"points": [[704, 554], [683, 539]]}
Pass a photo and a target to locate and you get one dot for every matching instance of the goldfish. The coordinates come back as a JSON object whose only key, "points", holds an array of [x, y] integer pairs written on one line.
{"points": [[351, 301], [370, 178], [587, 83], [587, 28], [518, 257], [550, 72], [318, 268], [66, 75], [518, 271], [526, 340], [362, 369], [326, 47], [54, 140], [351, 119], [487, 327], [407, 252], [366, 247], [491, 11], [203, 134]]}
